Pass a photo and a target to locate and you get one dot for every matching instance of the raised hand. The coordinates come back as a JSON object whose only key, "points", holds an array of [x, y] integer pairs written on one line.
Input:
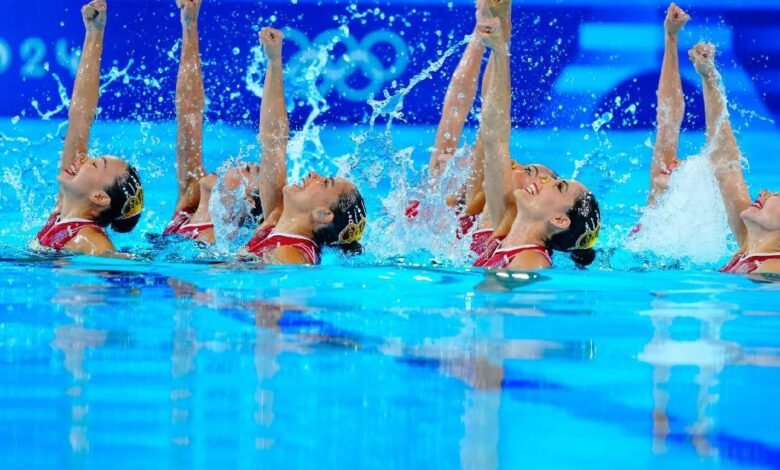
{"points": [[676, 19], [271, 39], [702, 55], [94, 15], [491, 33], [189, 10], [501, 9]]}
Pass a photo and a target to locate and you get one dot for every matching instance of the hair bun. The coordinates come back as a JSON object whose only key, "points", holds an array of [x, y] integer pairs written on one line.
{"points": [[125, 225], [351, 249], [583, 258]]}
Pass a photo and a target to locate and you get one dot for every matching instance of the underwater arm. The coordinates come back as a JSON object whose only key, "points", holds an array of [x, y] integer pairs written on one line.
{"points": [[495, 127], [671, 107], [721, 143], [274, 125], [86, 89], [190, 101]]}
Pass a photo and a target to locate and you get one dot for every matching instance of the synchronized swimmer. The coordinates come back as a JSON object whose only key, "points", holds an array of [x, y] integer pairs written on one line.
{"points": [[526, 212]]}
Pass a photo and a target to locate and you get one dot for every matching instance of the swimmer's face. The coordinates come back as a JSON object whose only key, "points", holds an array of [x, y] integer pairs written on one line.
{"points": [[524, 175], [548, 199], [245, 177], [765, 212], [88, 175], [316, 191]]}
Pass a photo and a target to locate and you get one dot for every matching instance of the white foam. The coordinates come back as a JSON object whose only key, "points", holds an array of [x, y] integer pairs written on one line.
{"points": [[689, 221]]}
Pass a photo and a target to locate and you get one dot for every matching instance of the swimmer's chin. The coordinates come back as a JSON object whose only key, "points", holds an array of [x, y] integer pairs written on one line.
{"points": [[64, 177]]}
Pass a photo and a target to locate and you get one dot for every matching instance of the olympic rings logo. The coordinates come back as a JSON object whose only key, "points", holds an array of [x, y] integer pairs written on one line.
{"points": [[359, 57]]}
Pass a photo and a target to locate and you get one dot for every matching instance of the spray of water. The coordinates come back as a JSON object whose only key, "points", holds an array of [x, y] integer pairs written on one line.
{"points": [[305, 149], [688, 223], [432, 232]]}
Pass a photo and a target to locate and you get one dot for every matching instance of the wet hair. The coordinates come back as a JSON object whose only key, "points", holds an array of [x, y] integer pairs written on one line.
{"points": [[127, 202], [257, 211], [255, 216], [346, 228], [579, 239]]}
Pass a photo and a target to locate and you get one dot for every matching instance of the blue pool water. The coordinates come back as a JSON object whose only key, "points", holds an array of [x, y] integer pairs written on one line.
{"points": [[396, 359]]}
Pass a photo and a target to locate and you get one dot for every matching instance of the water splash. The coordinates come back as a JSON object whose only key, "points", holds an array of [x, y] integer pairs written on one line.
{"points": [[432, 233], [392, 104], [689, 221], [62, 93]]}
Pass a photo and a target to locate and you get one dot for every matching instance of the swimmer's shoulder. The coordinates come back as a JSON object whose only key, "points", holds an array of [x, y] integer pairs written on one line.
{"points": [[91, 241], [770, 266], [530, 260], [288, 255]]}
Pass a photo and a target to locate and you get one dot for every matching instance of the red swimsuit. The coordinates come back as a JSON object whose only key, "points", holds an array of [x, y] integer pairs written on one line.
{"points": [[480, 240], [180, 225], [57, 233], [265, 242], [746, 264], [497, 257]]}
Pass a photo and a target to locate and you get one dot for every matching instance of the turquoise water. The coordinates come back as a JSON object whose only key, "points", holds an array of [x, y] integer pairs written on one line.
{"points": [[391, 360]]}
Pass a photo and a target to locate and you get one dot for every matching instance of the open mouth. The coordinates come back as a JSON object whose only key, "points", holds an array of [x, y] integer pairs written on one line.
{"points": [[758, 204], [71, 170], [532, 189]]}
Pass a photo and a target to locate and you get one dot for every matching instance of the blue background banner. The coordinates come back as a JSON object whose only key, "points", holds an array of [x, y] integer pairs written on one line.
{"points": [[573, 62]]}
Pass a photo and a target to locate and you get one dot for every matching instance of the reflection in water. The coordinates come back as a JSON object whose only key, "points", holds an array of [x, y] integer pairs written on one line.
{"points": [[268, 346], [74, 340], [505, 280], [183, 355], [482, 403], [475, 357], [708, 353]]}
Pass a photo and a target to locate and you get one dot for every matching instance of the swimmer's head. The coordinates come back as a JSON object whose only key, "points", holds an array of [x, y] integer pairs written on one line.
{"points": [[764, 212], [239, 192], [569, 213], [111, 186], [335, 208], [524, 175]]}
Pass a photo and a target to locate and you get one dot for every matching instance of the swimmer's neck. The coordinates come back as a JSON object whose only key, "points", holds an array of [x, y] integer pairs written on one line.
{"points": [[525, 232], [294, 224], [202, 214], [74, 209], [761, 241]]}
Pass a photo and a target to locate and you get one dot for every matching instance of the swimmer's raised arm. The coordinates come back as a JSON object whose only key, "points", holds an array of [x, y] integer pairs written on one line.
{"points": [[274, 125], [671, 106], [86, 89], [475, 195], [190, 101], [457, 104], [495, 127], [721, 143]]}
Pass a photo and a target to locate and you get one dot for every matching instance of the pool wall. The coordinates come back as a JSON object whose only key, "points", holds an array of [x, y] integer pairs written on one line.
{"points": [[572, 62]]}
